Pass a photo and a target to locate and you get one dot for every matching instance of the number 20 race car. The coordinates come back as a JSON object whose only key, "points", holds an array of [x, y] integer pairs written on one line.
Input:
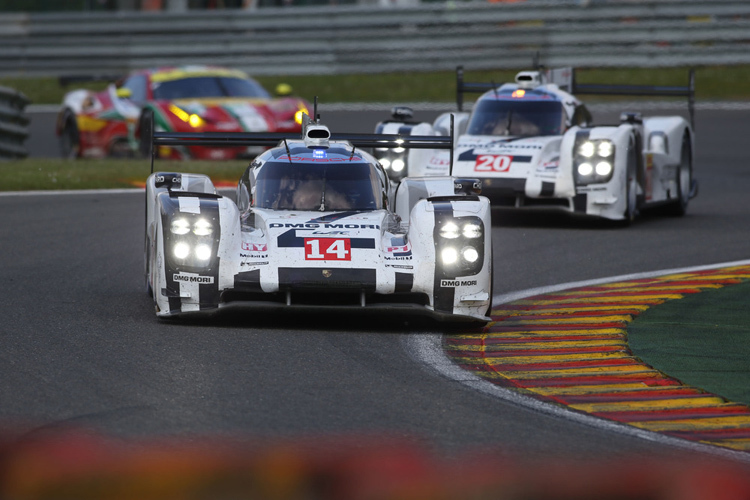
{"points": [[532, 144], [316, 224]]}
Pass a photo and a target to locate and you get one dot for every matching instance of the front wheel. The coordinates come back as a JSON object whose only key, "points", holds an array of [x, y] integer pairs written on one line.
{"points": [[70, 143], [683, 180], [631, 190], [146, 133]]}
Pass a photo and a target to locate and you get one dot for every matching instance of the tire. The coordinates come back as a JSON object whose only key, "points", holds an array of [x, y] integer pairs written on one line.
{"points": [[70, 142], [492, 280], [684, 179], [148, 265], [631, 190], [146, 133]]}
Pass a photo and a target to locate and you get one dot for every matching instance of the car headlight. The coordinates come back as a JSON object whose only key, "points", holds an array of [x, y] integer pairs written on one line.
{"points": [[202, 227], [472, 230], [449, 230], [386, 163], [192, 119], [593, 161], [203, 252], [460, 244], [449, 255], [603, 168], [470, 254], [180, 226], [587, 149], [398, 165], [585, 169], [181, 250]]}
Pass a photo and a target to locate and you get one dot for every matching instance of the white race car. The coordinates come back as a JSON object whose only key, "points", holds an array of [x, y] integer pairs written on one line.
{"points": [[532, 144], [316, 224]]}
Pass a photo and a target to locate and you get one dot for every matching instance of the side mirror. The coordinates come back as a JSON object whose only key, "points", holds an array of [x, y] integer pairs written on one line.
{"points": [[283, 90], [124, 93]]}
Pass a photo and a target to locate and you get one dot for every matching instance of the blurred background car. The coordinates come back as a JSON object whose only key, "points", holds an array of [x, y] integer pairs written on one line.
{"points": [[178, 99]]}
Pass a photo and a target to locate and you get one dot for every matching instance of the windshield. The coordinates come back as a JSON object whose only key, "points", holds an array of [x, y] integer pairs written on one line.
{"points": [[311, 186], [518, 118], [208, 86]]}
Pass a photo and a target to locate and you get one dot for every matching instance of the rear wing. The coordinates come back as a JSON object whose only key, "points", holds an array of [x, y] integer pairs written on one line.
{"points": [[235, 139], [643, 90], [565, 79]]}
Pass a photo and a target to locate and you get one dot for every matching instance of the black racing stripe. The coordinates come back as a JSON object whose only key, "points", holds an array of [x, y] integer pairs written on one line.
{"points": [[326, 279], [443, 296], [405, 129], [404, 282], [548, 188], [580, 201]]}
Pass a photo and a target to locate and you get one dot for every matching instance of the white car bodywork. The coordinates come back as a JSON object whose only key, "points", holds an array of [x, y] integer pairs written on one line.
{"points": [[259, 256], [650, 162]]}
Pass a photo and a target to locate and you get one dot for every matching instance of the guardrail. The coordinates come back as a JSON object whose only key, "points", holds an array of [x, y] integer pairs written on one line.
{"points": [[361, 39], [13, 124]]}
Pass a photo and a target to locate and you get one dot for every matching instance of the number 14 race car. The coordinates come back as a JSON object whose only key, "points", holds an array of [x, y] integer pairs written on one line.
{"points": [[316, 224], [532, 144]]}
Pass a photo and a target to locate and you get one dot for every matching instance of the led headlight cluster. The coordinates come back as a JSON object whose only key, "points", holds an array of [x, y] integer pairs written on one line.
{"points": [[461, 245], [593, 160], [393, 161], [192, 242]]}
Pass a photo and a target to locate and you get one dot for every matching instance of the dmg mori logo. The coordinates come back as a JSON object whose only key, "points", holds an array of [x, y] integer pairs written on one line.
{"points": [[455, 283], [186, 278]]}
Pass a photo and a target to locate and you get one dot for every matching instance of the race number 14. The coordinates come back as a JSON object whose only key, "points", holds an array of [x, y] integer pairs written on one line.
{"points": [[493, 163], [327, 249]]}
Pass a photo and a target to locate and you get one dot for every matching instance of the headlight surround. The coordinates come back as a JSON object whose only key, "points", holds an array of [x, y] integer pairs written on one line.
{"points": [[593, 161], [459, 243]]}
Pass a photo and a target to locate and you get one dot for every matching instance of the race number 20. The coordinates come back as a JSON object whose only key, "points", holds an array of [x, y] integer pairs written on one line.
{"points": [[327, 249], [493, 163]]}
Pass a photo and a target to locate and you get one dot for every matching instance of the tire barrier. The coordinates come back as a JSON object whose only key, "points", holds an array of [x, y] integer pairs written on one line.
{"points": [[13, 124]]}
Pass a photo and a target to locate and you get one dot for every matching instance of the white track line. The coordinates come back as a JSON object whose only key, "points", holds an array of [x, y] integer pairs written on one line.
{"points": [[427, 349]]}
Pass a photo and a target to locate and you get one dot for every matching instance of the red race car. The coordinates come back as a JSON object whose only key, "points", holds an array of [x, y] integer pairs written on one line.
{"points": [[180, 99]]}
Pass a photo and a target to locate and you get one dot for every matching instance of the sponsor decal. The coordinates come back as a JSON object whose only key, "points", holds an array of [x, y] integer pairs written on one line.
{"points": [[254, 255], [457, 283], [399, 266], [252, 264], [404, 248], [328, 249], [386, 257], [189, 278], [493, 163], [439, 161], [315, 225], [254, 247]]}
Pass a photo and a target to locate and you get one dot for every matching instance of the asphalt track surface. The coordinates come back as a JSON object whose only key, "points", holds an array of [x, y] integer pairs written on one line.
{"points": [[82, 347]]}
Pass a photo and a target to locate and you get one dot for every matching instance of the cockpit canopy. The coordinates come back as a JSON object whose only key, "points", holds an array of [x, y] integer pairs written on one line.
{"points": [[349, 185], [517, 117]]}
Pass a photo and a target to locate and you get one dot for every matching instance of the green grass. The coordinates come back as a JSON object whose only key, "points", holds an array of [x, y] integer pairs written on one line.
{"points": [[50, 174], [712, 82]]}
